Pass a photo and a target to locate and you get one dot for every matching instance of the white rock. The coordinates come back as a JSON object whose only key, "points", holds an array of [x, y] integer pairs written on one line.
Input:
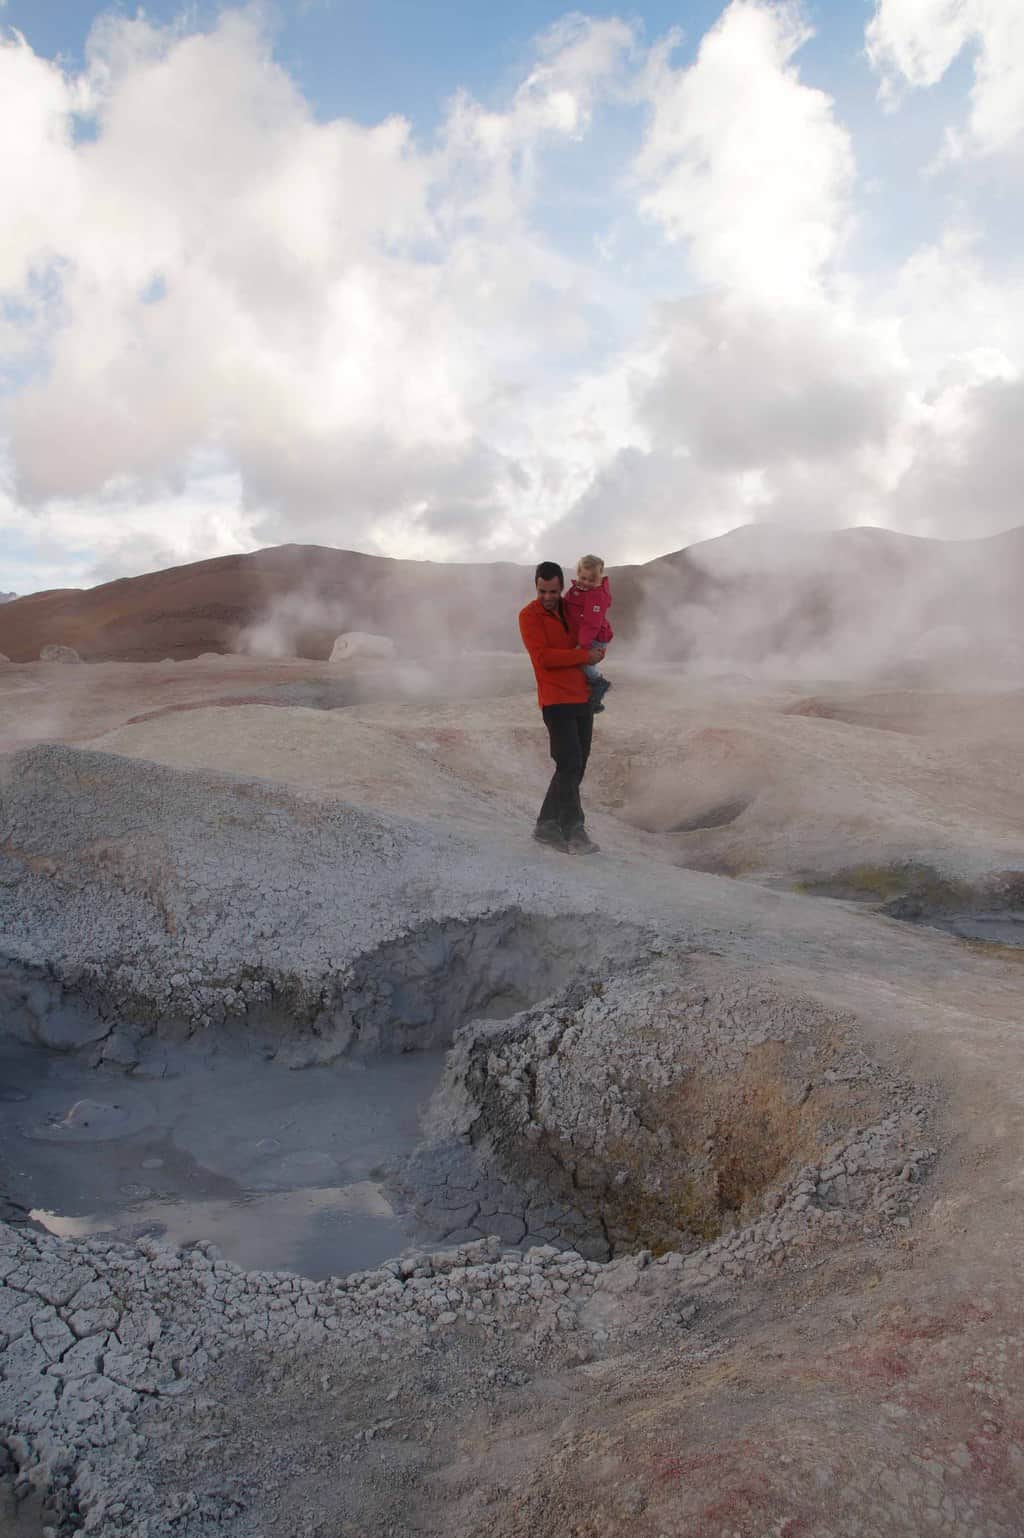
{"points": [[359, 643]]}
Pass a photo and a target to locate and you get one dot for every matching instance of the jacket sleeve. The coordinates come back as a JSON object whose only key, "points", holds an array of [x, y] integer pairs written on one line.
{"points": [[606, 624], [531, 628]]}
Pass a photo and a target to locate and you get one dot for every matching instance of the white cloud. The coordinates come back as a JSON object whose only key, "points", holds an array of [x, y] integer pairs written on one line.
{"points": [[576, 59], [764, 394], [736, 411], [330, 306], [914, 42], [39, 188], [748, 387], [262, 231], [225, 322], [793, 391], [124, 529], [743, 160], [956, 466]]}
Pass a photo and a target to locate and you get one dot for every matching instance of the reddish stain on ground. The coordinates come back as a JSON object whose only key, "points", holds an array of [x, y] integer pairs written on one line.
{"points": [[674, 1469]]}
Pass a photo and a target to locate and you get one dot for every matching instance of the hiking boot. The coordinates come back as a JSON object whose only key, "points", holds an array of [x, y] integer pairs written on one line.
{"points": [[551, 834], [580, 842]]}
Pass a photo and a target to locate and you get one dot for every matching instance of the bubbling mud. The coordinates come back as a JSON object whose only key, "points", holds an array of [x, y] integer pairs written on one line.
{"points": [[280, 1170], [129, 1123]]}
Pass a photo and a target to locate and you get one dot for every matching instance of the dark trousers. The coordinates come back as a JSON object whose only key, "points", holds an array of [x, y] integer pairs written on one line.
{"points": [[570, 729]]}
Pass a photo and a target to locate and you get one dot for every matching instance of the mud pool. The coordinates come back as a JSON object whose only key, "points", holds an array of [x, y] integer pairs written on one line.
{"points": [[1003, 928], [282, 1170]]}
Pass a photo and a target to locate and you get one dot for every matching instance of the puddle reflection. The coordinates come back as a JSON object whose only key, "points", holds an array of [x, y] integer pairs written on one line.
{"points": [[316, 1231]]}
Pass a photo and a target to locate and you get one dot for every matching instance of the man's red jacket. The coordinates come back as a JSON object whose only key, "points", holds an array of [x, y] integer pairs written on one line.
{"points": [[557, 659]]}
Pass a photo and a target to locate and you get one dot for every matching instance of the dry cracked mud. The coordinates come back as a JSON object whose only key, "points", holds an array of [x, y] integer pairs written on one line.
{"points": [[726, 1178]]}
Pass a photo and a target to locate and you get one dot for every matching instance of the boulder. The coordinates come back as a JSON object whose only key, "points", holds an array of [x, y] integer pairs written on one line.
{"points": [[59, 654], [359, 643]]}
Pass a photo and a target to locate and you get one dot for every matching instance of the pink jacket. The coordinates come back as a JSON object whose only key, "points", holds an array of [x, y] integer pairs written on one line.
{"points": [[589, 612]]}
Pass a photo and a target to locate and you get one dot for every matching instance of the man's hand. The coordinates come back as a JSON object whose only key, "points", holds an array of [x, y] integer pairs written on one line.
{"points": [[594, 655]]}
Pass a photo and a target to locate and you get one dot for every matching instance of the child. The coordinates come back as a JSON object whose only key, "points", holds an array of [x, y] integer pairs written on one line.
{"points": [[587, 603]]}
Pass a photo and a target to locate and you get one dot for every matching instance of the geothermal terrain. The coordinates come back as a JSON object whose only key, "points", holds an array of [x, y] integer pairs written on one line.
{"points": [[368, 1170]]}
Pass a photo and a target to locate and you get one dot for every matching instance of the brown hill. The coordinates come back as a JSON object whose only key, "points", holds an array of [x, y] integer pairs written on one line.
{"points": [[853, 600], [287, 600]]}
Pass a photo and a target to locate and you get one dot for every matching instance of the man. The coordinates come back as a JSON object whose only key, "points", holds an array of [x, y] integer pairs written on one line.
{"points": [[564, 698]]}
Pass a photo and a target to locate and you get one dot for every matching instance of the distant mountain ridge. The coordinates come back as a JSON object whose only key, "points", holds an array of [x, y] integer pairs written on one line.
{"points": [[861, 597]]}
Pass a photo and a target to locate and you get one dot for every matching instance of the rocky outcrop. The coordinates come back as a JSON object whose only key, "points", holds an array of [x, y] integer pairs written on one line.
{"points": [[673, 1107], [59, 654]]}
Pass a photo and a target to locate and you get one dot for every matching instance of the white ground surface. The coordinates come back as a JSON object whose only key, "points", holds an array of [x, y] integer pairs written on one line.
{"points": [[813, 780], [863, 1382]]}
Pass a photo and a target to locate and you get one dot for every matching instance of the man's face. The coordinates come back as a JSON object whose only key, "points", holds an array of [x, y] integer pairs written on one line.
{"points": [[586, 579], [549, 591]]}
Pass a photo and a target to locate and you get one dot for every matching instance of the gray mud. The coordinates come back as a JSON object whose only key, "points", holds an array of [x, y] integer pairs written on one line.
{"points": [[283, 1171], [989, 910]]}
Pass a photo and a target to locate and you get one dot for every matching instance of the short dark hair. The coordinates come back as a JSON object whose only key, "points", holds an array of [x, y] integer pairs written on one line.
{"points": [[548, 569]]}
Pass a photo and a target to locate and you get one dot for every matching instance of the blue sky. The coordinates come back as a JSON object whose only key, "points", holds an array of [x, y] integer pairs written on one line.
{"points": [[462, 281], [365, 58]]}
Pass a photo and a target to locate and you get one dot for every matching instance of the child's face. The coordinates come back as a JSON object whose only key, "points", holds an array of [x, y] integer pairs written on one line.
{"points": [[586, 578]]}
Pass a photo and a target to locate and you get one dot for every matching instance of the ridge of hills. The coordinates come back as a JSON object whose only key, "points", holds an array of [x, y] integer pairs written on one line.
{"points": [[759, 593]]}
